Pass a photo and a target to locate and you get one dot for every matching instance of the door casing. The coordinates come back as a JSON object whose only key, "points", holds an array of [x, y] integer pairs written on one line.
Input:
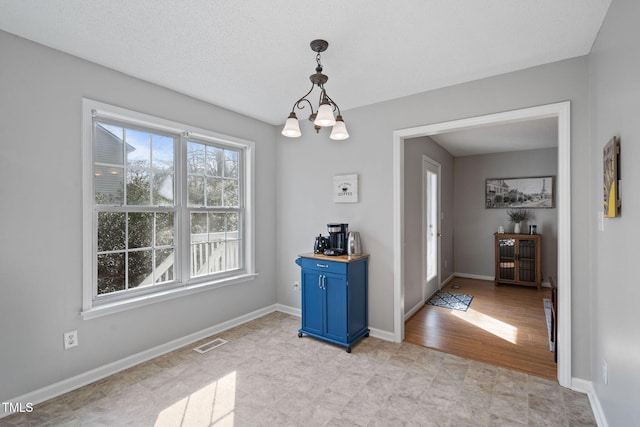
{"points": [[561, 111]]}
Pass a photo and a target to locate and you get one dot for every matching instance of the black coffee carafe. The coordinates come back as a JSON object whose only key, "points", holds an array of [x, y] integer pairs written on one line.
{"points": [[320, 245]]}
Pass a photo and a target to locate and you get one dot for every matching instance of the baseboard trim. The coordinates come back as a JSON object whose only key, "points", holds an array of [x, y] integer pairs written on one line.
{"points": [[289, 310], [418, 306], [383, 335], [586, 387], [414, 310], [447, 280], [474, 276], [69, 384], [544, 284]]}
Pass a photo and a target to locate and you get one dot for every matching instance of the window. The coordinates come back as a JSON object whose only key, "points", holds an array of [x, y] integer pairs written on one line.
{"points": [[167, 209], [214, 194]]}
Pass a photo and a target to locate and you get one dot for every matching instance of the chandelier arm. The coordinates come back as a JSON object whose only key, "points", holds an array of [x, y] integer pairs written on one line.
{"points": [[332, 102], [322, 96], [304, 98]]}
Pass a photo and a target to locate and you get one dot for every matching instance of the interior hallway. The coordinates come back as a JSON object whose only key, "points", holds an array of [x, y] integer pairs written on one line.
{"points": [[504, 326]]}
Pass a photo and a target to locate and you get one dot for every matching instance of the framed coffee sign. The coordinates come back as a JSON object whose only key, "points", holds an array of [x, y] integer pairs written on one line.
{"points": [[345, 188]]}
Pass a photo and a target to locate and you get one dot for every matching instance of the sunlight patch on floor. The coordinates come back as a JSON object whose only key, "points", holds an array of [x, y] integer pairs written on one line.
{"points": [[213, 404], [490, 324]]}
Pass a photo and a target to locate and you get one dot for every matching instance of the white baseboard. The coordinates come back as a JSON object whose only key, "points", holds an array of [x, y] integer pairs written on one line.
{"points": [[474, 276], [289, 310], [586, 387], [69, 384], [414, 310], [418, 306], [544, 284], [383, 335], [447, 280]]}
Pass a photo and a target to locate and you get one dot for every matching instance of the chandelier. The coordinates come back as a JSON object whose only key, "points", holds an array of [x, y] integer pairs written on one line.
{"points": [[323, 115]]}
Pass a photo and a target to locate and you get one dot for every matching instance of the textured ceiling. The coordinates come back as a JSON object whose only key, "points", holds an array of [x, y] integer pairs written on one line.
{"points": [[253, 56]]}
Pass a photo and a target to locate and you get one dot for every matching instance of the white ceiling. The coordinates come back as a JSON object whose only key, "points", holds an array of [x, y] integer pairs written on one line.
{"points": [[253, 56], [512, 136]]}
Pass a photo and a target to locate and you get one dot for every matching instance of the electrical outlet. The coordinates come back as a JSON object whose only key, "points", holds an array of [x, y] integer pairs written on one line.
{"points": [[296, 286], [70, 339], [605, 372]]}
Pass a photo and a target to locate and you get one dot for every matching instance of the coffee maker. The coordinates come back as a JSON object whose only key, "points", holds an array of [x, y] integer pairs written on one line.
{"points": [[337, 239]]}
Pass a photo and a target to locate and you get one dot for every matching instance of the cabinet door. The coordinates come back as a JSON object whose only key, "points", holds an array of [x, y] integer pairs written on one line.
{"points": [[312, 301], [527, 260], [336, 307], [507, 259]]}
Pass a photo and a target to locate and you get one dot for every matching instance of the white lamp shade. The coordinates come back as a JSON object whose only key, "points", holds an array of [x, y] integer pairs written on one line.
{"points": [[291, 128], [339, 131], [325, 116]]}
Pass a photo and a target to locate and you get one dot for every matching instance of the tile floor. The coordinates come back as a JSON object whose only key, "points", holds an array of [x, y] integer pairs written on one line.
{"points": [[266, 376]]}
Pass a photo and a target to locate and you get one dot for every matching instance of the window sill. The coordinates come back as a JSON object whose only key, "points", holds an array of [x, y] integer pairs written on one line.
{"points": [[132, 303]]}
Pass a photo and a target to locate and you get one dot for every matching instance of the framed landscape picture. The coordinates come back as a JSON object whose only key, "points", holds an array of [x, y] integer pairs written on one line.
{"points": [[529, 193]]}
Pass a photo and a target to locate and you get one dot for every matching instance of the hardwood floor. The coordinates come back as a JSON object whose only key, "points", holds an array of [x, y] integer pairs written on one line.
{"points": [[505, 326]]}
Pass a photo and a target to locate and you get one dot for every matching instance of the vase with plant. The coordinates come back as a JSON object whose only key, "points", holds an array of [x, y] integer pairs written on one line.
{"points": [[516, 216]]}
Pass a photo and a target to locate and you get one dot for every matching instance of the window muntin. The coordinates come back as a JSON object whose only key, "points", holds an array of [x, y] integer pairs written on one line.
{"points": [[143, 204]]}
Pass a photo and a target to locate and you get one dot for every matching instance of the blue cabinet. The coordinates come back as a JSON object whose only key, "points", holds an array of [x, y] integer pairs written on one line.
{"points": [[334, 298]]}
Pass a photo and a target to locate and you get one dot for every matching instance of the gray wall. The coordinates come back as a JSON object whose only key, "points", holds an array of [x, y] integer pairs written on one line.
{"points": [[474, 225], [414, 150], [41, 220], [614, 67], [308, 164]]}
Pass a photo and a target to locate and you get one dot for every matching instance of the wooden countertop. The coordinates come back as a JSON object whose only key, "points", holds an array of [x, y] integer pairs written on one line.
{"points": [[339, 258]]}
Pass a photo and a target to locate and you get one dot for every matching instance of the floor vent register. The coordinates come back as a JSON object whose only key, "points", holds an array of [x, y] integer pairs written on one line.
{"points": [[210, 345]]}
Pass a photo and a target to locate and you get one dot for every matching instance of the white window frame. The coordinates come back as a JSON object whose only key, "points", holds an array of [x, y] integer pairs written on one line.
{"points": [[95, 307]]}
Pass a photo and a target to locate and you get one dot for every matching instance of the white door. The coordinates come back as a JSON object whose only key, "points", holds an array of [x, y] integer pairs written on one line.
{"points": [[431, 226]]}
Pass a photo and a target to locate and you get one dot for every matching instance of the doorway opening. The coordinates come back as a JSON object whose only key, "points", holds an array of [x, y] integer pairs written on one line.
{"points": [[560, 111]]}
